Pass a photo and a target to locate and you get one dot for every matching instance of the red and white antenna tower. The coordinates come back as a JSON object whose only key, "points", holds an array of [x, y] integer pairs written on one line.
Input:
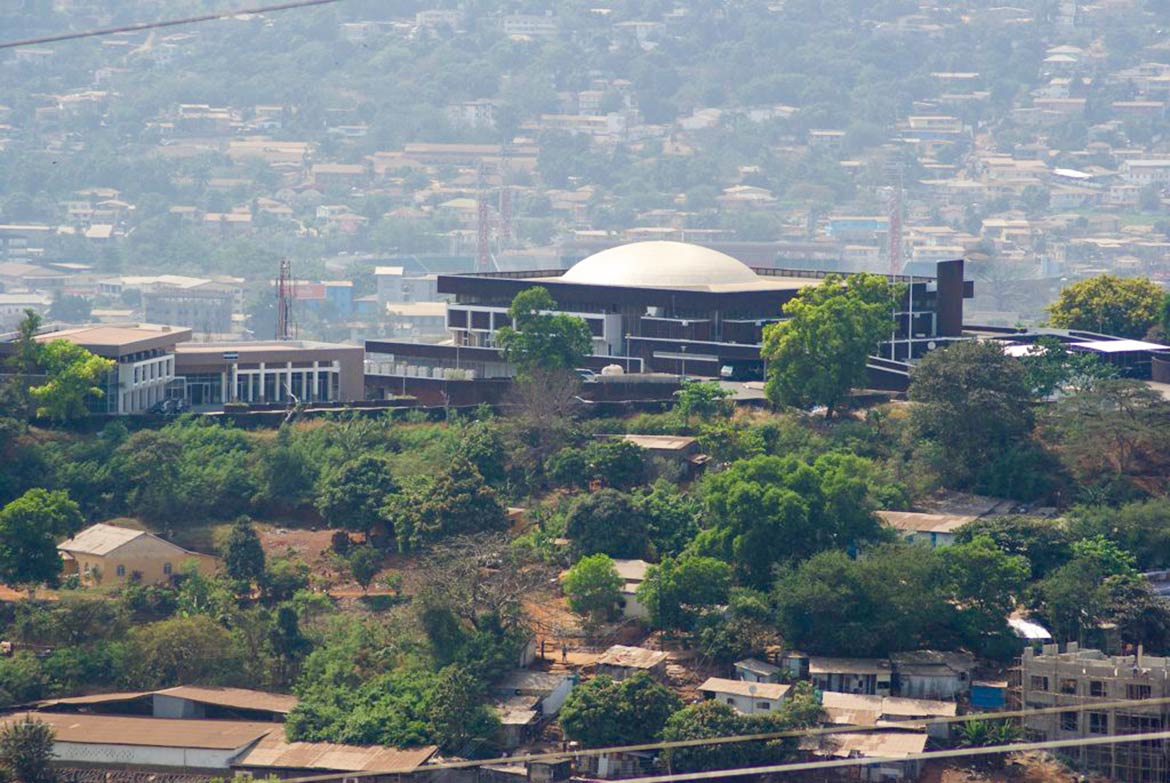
{"points": [[284, 300]]}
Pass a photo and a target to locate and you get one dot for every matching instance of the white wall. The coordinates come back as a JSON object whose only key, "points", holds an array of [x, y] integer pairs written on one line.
{"points": [[142, 756]]}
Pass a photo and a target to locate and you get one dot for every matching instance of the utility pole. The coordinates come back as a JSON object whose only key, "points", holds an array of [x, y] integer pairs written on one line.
{"points": [[284, 297]]}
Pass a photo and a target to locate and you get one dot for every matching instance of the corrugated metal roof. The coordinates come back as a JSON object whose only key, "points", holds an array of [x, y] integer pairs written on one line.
{"points": [[631, 657], [100, 539], [820, 665], [95, 698], [910, 521], [756, 666], [237, 698], [874, 744], [151, 732], [772, 691], [276, 753]]}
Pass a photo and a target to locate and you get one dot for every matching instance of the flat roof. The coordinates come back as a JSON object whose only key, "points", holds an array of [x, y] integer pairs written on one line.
{"points": [[772, 691], [260, 346], [119, 337], [1119, 346], [659, 442], [874, 744], [274, 752], [817, 665], [910, 521], [631, 570], [151, 732], [756, 666]]}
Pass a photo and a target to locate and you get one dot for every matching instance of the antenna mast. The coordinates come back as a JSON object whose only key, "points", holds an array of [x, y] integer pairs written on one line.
{"points": [[284, 297]]}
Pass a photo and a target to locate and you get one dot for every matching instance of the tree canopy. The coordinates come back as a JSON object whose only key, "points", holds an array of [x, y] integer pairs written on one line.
{"points": [[603, 713], [1107, 304], [353, 496], [607, 521], [539, 338], [73, 376], [29, 529], [818, 353], [593, 586]]}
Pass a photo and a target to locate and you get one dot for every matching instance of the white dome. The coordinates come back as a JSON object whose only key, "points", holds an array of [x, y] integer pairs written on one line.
{"points": [[660, 265]]}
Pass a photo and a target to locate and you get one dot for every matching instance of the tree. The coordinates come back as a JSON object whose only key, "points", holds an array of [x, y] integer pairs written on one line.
{"points": [[25, 361], [985, 582], [705, 399], [73, 375], [243, 557], [459, 502], [1045, 544], [1051, 367], [768, 510], [26, 751], [606, 521], [541, 339], [593, 586], [1125, 307], [70, 309], [974, 404], [1140, 527], [677, 592], [1114, 437], [818, 353], [364, 563], [287, 642], [353, 496], [29, 529], [602, 713], [613, 462], [182, 650], [457, 715], [672, 518]]}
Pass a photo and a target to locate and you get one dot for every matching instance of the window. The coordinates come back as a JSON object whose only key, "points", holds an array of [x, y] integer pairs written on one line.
{"points": [[121, 570], [763, 705], [1137, 691], [1097, 688], [1068, 686], [166, 568], [1068, 721], [731, 701], [1039, 683], [1098, 723]]}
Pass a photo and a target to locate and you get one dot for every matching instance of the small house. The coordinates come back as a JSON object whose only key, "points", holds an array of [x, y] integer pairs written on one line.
{"points": [[893, 748], [932, 529], [633, 574], [851, 709], [850, 675], [988, 695], [110, 554], [929, 674], [678, 450], [620, 662], [754, 670], [549, 691], [746, 697]]}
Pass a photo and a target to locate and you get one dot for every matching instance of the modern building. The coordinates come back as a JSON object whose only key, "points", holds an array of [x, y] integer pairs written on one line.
{"points": [[672, 307], [208, 374], [107, 554], [206, 308], [1079, 679]]}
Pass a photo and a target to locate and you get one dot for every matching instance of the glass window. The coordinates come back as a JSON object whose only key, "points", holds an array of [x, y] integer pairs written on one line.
{"points": [[1137, 691], [1068, 721], [1098, 723], [166, 568], [1068, 686], [1097, 688], [763, 705], [1039, 683], [121, 570]]}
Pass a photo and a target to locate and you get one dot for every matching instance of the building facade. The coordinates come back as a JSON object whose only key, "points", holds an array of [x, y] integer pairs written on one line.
{"points": [[1078, 679]]}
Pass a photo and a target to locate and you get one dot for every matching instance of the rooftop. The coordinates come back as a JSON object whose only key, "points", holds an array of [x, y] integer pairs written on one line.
{"points": [[119, 337], [152, 732], [274, 752], [100, 539], [236, 698], [848, 666], [757, 666], [909, 521], [631, 657], [772, 691], [659, 442]]}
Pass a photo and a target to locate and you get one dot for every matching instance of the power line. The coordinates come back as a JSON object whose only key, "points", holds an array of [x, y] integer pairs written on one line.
{"points": [[734, 739], [1015, 747], [131, 28]]}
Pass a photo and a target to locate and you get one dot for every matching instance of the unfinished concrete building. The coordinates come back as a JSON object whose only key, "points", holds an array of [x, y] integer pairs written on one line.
{"points": [[1079, 678]]}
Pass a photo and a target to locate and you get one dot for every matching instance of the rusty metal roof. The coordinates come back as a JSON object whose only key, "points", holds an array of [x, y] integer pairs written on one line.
{"points": [[151, 732], [631, 657], [237, 698], [274, 752]]}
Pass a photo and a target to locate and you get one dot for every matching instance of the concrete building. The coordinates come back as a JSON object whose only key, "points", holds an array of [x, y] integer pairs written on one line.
{"points": [[746, 697], [679, 308], [395, 286], [853, 709], [633, 574], [931, 529], [107, 554], [928, 674], [1079, 678], [753, 670], [206, 308], [269, 371], [845, 675]]}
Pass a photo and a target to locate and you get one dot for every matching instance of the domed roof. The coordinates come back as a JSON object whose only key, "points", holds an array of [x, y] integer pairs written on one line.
{"points": [[660, 265]]}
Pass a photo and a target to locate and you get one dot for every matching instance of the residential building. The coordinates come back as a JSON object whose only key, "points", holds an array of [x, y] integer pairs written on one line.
{"points": [[845, 675], [13, 307], [394, 285], [525, 699], [753, 670], [206, 308], [746, 697], [1079, 678], [107, 554], [633, 574], [852, 709], [931, 529], [929, 674], [620, 662]]}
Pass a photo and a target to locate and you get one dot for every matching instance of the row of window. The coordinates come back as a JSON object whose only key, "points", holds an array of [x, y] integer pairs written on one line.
{"points": [[153, 371], [120, 570], [1097, 688]]}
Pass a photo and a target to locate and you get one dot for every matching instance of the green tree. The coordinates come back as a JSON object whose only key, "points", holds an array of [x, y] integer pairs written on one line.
{"points": [[457, 714], [286, 642], [1125, 307], [1051, 367], [767, 510], [25, 361], [29, 529], [606, 521], [1044, 543], [593, 586], [183, 651], [458, 502], [985, 582], [540, 339], [672, 517], [1140, 527], [613, 462], [705, 399], [818, 353], [353, 496], [26, 751], [1078, 596], [974, 403], [364, 563], [677, 592], [73, 375], [602, 713], [243, 557]]}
